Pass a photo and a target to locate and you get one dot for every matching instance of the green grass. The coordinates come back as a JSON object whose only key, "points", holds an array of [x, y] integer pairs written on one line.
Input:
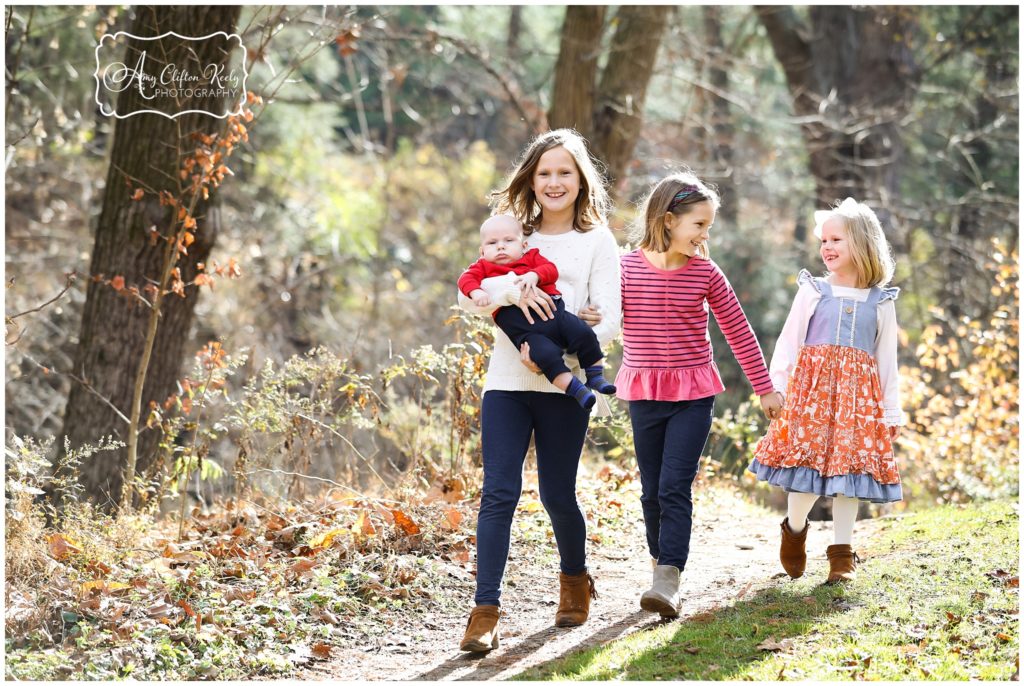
{"points": [[936, 599]]}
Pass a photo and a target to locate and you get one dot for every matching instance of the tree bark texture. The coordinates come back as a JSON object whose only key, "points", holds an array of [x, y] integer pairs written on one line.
{"points": [[852, 76], [722, 129], [149, 149], [622, 91], [573, 94], [606, 109]]}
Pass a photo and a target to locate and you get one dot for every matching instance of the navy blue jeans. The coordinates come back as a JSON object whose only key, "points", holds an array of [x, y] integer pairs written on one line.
{"points": [[558, 425], [669, 438]]}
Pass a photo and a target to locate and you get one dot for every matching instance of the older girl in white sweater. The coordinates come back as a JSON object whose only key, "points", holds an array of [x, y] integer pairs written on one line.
{"points": [[558, 194]]}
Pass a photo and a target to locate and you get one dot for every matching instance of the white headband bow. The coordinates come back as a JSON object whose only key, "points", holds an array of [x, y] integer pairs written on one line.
{"points": [[846, 207]]}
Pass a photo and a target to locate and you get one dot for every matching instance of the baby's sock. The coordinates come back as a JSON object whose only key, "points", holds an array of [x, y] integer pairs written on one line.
{"points": [[596, 380], [583, 396]]}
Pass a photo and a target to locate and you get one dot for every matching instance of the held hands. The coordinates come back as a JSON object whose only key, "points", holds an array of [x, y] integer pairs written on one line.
{"points": [[480, 297], [771, 405], [894, 432]]}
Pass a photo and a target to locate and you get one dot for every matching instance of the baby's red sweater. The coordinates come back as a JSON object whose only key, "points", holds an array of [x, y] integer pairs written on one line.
{"points": [[531, 261]]}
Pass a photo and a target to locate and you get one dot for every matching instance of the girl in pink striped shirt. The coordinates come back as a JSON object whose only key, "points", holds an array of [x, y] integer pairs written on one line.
{"points": [[668, 372]]}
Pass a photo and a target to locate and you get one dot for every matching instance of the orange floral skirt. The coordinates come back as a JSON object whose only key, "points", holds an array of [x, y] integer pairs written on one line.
{"points": [[833, 425]]}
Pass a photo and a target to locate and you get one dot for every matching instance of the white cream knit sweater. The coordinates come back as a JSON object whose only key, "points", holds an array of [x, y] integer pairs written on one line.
{"points": [[588, 274]]}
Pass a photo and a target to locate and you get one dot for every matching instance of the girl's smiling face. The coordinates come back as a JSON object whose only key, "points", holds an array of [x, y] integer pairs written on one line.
{"points": [[556, 181], [687, 232], [835, 247]]}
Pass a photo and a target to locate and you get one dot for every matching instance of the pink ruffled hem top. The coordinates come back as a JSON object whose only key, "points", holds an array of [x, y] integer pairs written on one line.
{"points": [[666, 348], [668, 384]]}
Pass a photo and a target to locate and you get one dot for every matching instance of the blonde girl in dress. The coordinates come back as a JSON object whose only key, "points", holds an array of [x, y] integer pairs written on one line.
{"points": [[835, 360]]}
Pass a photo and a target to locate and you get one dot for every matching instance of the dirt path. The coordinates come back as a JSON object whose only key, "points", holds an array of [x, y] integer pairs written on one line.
{"points": [[734, 551]]}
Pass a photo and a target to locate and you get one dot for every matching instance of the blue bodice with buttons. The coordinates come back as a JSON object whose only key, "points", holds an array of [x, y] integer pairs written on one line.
{"points": [[844, 321]]}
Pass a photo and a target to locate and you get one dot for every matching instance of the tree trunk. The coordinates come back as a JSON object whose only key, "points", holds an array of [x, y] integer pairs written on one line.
{"points": [[515, 30], [148, 148], [852, 77], [573, 96], [623, 89], [721, 117]]}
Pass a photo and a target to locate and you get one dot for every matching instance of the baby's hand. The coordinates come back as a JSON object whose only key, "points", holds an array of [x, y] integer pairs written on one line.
{"points": [[480, 298], [526, 280]]}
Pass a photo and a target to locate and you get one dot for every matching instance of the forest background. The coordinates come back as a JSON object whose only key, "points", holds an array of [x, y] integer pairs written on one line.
{"points": [[310, 393], [355, 194]]}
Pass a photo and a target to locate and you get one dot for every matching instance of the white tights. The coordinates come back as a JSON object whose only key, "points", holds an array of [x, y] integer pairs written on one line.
{"points": [[844, 514]]}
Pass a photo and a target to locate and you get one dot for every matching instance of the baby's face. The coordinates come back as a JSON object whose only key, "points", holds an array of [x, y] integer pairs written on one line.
{"points": [[501, 240]]}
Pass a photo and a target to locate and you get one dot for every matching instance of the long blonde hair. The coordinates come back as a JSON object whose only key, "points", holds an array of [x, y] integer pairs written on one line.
{"points": [[869, 250], [518, 199], [676, 193]]}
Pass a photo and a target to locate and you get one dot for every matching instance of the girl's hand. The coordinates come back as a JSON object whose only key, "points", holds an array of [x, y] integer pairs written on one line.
{"points": [[524, 357], [590, 315], [894, 432], [537, 300], [771, 405]]}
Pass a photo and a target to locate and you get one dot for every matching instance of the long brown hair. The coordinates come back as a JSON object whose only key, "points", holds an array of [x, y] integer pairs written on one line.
{"points": [[652, 234], [518, 199]]}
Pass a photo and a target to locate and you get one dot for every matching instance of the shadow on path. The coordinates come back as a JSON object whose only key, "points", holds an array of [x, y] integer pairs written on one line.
{"points": [[691, 652], [490, 664]]}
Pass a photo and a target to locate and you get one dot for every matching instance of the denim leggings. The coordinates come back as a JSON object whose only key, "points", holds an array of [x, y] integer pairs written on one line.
{"points": [[559, 426], [669, 437]]}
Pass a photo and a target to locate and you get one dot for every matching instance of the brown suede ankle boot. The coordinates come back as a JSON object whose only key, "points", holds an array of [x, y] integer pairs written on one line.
{"points": [[481, 629], [842, 564], [792, 552], [574, 599]]}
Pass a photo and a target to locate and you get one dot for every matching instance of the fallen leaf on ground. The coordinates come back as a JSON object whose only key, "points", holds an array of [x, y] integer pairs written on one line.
{"points": [[97, 568], [62, 547], [405, 523], [326, 539], [302, 567], [452, 519], [363, 526], [454, 490], [104, 587], [772, 645]]}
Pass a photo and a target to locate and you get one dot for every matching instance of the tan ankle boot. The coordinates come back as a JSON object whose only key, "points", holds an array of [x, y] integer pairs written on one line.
{"points": [[792, 552], [574, 599], [842, 564], [481, 629]]}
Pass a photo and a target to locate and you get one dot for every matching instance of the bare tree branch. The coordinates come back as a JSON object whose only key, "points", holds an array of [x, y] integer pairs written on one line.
{"points": [[71, 278]]}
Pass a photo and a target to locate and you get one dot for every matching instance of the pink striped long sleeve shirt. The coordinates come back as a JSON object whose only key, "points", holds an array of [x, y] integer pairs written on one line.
{"points": [[666, 347]]}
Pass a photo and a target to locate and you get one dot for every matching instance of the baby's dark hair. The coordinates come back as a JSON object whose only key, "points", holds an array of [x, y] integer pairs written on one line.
{"points": [[676, 193]]}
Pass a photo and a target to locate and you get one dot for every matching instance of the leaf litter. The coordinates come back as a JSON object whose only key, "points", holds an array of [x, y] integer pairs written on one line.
{"points": [[254, 588]]}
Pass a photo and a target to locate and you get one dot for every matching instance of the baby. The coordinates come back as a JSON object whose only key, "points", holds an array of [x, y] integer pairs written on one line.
{"points": [[502, 251]]}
